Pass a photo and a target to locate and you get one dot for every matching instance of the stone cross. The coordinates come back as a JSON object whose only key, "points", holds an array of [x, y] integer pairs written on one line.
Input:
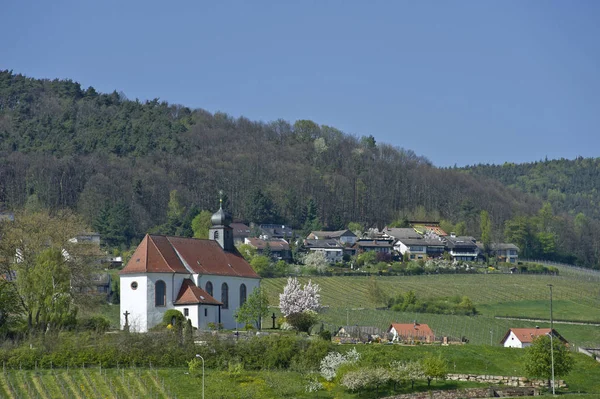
{"points": [[126, 326]]}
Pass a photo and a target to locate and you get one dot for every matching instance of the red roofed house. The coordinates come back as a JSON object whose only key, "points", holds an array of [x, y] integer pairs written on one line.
{"points": [[523, 337], [411, 332], [207, 280]]}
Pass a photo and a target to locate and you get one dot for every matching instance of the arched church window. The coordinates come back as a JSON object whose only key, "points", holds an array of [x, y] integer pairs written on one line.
{"points": [[242, 294], [160, 293], [216, 235], [209, 288], [225, 295]]}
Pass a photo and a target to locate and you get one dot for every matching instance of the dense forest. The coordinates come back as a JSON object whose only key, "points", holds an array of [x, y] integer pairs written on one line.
{"points": [[129, 167]]}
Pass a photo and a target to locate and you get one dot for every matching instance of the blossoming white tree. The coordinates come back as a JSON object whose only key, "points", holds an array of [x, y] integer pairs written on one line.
{"points": [[296, 299], [333, 361]]}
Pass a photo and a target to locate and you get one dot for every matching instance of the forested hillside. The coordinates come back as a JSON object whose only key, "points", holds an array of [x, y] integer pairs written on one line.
{"points": [[571, 186], [117, 163]]}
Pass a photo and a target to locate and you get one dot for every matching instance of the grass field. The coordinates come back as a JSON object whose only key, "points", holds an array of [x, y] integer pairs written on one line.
{"points": [[575, 297], [178, 383]]}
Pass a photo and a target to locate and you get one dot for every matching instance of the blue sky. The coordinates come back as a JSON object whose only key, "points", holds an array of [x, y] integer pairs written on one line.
{"points": [[457, 82]]}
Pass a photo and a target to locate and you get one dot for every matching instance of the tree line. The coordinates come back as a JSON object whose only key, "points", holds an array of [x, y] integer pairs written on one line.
{"points": [[116, 162]]}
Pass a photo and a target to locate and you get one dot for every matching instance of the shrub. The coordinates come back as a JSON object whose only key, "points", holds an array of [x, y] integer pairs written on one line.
{"points": [[325, 335], [98, 324], [302, 321], [174, 318]]}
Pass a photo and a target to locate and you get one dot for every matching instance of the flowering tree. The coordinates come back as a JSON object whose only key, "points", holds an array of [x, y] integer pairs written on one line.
{"points": [[316, 260], [296, 299], [333, 361]]}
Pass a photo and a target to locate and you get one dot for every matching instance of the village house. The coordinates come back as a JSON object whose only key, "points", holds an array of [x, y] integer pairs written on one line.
{"points": [[240, 232], [505, 252], [524, 337], [331, 249], [411, 332], [344, 237], [276, 231], [206, 279], [463, 248], [280, 248], [376, 245]]}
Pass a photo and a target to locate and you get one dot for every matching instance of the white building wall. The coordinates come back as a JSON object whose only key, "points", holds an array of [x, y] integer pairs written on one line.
{"points": [[173, 283], [134, 302], [513, 342], [233, 283]]}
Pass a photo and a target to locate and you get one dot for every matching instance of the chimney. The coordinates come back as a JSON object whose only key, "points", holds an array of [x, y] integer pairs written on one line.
{"points": [[537, 327], [452, 234]]}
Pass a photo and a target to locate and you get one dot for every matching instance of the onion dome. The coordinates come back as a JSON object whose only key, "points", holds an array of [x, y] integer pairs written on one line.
{"points": [[220, 217]]}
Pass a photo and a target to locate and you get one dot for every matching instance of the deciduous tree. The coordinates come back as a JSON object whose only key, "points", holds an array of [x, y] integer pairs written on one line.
{"points": [[538, 358]]}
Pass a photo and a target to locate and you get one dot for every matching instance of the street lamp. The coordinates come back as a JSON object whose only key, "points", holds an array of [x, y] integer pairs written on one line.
{"points": [[202, 374], [551, 341], [552, 360]]}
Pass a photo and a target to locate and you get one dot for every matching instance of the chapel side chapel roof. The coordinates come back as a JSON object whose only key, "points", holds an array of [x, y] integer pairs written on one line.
{"points": [[191, 294], [164, 254]]}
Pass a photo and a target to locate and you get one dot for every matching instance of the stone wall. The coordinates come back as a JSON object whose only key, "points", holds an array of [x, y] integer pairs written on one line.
{"points": [[470, 393], [504, 380]]}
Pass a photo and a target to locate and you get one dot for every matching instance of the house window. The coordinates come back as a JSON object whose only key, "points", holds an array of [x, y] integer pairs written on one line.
{"points": [[160, 293], [209, 288], [186, 312], [242, 294], [225, 295], [205, 312], [134, 285]]}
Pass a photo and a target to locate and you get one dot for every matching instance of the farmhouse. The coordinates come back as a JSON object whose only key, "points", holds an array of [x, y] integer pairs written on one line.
{"points": [[411, 332], [186, 274], [279, 248], [523, 337]]}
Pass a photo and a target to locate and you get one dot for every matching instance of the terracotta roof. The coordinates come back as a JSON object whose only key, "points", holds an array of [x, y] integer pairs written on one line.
{"points": [[412, 330], [154, 255], [162, 254], [191, 294], [527, 335]]}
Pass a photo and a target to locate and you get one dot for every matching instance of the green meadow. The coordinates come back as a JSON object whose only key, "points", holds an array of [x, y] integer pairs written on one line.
{"points": [[576, 296]]}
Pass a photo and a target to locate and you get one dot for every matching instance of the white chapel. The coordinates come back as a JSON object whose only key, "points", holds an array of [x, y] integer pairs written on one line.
{"points": [[205, 279]]}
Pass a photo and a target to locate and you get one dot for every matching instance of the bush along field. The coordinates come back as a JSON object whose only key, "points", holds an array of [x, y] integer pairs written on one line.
{"points": [[272, 366]]}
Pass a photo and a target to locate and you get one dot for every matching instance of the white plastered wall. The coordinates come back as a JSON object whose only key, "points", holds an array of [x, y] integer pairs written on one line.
{"points": [[134, 302], [513, 342], [233, 283]]}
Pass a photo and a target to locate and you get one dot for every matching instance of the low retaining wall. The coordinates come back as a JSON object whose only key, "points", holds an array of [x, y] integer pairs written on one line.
{"points": [[471, 393], [504, 380], [591, 352]]}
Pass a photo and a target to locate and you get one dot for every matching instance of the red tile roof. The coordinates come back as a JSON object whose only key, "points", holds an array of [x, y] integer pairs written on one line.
{"points": [[191, 294], [527, 335], [163, 254], [412, 330]]}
